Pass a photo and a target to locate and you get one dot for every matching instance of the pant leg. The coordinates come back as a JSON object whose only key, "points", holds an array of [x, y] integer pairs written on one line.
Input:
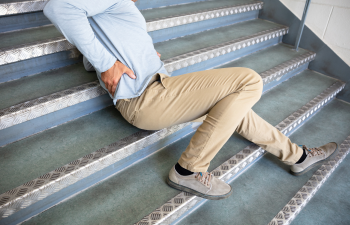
{"points": [[226, 95], [260, 132]]}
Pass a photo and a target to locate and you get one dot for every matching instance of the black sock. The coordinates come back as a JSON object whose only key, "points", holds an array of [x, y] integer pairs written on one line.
{"points": [[302, 158], [182, 171]]}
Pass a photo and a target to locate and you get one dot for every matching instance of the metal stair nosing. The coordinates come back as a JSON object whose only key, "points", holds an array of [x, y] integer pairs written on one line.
{"points": [[212, 56], [184, 203], [54, 45], [305, 194], [162, 29], [11, 201], [47, 104]]}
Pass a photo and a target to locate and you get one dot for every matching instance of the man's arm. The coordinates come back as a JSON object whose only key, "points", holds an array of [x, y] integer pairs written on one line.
{"points": [[70, 17]]}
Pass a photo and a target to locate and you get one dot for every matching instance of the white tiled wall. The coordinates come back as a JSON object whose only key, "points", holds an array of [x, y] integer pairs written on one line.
{"points": [[329, 20]]}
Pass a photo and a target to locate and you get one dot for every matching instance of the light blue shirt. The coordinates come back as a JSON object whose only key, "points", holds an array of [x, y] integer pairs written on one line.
{"points": [[106, 31]]}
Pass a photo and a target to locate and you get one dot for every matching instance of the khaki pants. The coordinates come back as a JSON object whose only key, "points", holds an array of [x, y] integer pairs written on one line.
{"points": [[226, 96]]}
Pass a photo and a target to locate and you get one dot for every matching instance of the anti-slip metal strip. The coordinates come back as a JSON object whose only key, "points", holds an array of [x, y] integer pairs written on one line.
{"points": [[204, 54], [183, 202], [47, 184], [58, 44], [167, 22], [38, 107], [277, 72], [35, 49], [304, 195], [21, 7]]}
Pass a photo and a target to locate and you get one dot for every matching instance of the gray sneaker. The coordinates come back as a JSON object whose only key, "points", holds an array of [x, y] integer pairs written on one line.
{"points": [[204, 185], [315, 156]]}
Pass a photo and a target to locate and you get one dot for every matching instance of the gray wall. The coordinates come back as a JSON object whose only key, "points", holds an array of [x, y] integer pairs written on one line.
{"points": [[326, 62]]}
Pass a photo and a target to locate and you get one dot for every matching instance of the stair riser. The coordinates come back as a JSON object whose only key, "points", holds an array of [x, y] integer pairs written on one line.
{"points": [[53, 119], [40, 64], [95, 178], [192, 28], [223, 59], [143, 4], [23, 21], [285, 77]]}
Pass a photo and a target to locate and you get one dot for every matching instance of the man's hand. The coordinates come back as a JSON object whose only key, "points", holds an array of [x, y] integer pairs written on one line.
{"points": [[112, 76], [159, 55]]}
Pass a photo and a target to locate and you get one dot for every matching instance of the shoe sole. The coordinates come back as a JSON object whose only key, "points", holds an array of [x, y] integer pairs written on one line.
{"points": [[315, 164], [191, 191]]}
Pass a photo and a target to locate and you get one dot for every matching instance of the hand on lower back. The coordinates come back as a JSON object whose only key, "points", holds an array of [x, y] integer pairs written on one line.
{"points": [[112, 76], [159, 55]]}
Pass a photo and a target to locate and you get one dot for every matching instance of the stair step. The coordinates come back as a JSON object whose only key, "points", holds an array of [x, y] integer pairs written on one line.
{"points": [[208, 49], [179, 55], [171, 130], [271, 177], [289, 90], [273, 101], [275, 62]]}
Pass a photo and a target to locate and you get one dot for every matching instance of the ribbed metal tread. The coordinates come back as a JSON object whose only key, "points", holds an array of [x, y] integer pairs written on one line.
{"points": [[43, 186], [39, 41], [156, 166], [182, 203], [46, 104]]}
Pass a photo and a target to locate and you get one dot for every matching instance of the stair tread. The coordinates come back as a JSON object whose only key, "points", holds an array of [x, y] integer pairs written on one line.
{"points": [[249, 205], [46, 83], [265, 59], [22, 37], [189, 43], [119, 204], [42, 84], [189, 8], [48, 150]]}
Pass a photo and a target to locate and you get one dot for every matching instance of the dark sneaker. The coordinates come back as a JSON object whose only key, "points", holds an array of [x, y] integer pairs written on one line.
{"points": [[204, 185], [315, 156]]}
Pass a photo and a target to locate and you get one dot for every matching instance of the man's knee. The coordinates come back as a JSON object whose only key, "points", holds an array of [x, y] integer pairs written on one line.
{"points": [[255, 80]]}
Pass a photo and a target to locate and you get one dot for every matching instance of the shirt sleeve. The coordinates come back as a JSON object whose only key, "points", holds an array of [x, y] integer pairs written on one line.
{"points": [[70, 17]]}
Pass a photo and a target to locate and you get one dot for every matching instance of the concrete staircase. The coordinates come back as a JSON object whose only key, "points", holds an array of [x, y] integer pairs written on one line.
{"points": [[65, 145]]}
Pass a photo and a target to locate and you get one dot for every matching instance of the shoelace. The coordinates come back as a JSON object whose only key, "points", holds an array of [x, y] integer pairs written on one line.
{"points": [[204, 178], [313, 151]]}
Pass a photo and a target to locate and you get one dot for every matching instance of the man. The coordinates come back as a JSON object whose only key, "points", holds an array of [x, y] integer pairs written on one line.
{"points": [[112, 35]]}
